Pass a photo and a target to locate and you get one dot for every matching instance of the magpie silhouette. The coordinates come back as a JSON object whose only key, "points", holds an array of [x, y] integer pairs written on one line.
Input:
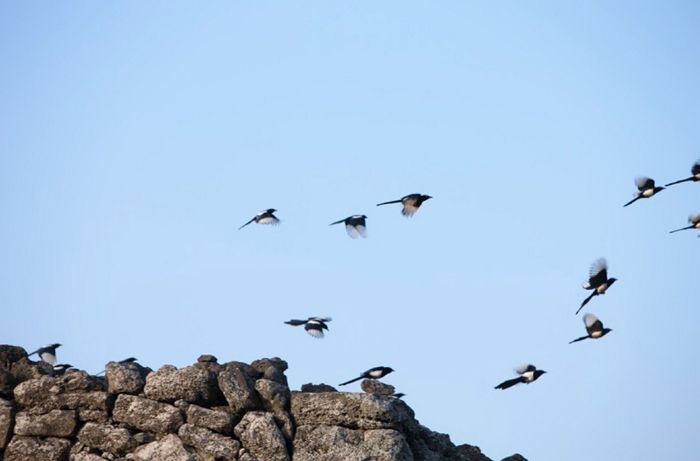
{"points": [[60, 370], [313, 325], [355, 225], [411, 203], [598, 280], [647, 188], [695, 171], [594, 328], [527, 374], [693, 220], [372, 373], [264, 217], [398, 395], [47, 353]]}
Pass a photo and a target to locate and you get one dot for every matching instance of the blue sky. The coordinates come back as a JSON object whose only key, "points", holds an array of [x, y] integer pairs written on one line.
{"points": [[135, 138]]}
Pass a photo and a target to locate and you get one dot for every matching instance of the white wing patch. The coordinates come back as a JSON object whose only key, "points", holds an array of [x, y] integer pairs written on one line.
{"points": [[48, 357], [269, 220], [694, 219], [316, 333], [589, 320]]}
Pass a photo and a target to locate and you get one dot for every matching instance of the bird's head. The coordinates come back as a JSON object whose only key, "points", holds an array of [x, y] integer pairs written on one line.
{"points": [[271, 210], [606, 331], [427, 197], [363, 216], [611, 281], [539, 373], [388, 369]]}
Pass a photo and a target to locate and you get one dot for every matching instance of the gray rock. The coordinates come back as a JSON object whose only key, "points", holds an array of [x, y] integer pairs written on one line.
{"points": [[115, 440], [216, 445], [56, 423], [72, 391], [206, 358], [471, 453], [372, 386], [6, 422], [272, 369], [286, 424], [11, 354], [275, 396], [238, 389], [96, 416], [37, 449], [146, 415], [315, 388], [125, 378], [334, 443], [247, 369], [169, 448], [83, 456], [143, 438], [260, 435], [515, 457], [192, 384], [218, 421]]}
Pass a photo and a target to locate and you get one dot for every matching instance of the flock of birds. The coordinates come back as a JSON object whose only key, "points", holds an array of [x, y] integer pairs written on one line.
{"points": [[356, 226]]}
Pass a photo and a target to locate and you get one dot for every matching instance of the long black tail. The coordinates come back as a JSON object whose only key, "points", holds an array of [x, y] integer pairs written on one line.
{"points": [[387, 203], [509, 383], [632, 201], [351, 381], [682, 228], [585, 301], [295, 322], [578, 339], [680, 181], [246, 224]]}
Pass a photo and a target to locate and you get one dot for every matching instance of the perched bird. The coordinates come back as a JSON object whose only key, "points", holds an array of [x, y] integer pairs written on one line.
{"points": [[598, 280], [47, 353], [354, 225], [60, 370], [127, 360], [527, 374], [264, 217], [398, 395], [695, 171], [594, 327], [410, 202], [372, 373], [647, 188], [693, 220], [313, 325]]}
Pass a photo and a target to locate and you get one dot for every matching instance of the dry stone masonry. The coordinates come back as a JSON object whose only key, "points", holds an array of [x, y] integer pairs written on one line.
{"points": [[204, 412]]}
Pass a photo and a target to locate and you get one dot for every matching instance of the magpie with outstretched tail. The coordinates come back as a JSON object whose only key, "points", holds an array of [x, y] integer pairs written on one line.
{"points": [[598, 280], [695, 171], [60, 370], [372, 373], [264, 217], [594, 328], [528, 374], [313, 325], [693, 220], [47, 353], [647, 188], [355, 225], [411, 203]]}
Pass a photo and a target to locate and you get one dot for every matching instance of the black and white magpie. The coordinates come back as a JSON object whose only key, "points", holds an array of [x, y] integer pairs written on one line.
{"points": [[60, 370], [411, 203], [693, 220], [398, 395], [372, 373], [264, 217], [354, 225], [594, 328], [598, 280], [647, 188], [528, 374], [694, 170], [47, 353], [313, 325]]}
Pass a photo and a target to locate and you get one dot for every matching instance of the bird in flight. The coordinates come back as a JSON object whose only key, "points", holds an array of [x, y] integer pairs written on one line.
{"points": [[264, 217], [693, 220], [313, 325], [528, 374], [47, 353], [695, 171], [355, 225], [647, 188], [372, 373], [598, 280], [594, 328], [411, 203]]}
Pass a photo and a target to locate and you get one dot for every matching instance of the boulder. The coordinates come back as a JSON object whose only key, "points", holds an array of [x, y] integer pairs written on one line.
{"points": [[216, 445], [55, 423], [125, 378], [107, 438], [219, 421], [169, 448], [275, 396], [192, 384], [260, 436], [146, 415], [372, 386], [238, 389], [37, 449], [6, 422], [331, 443], [315, 388], [72, 391]]}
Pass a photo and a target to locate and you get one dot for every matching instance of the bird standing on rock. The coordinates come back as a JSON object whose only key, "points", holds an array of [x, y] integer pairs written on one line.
{"points": [[411, 203], [693, 220], [355, 225], [594, 328], [695, 171], [313, 325], [264, 217], [372, 373], [598, 280], [47, 353], [528, 374], [647, 188]]}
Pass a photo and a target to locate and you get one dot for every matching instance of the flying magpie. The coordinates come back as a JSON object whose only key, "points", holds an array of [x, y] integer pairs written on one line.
{"points": [[372, 373], [60, 370], [647, 188], [695, 171], [594, 328], [693, 220], [527, 374], [411, 203], [47, 353], [354, 225], [313, 325], [264, 217], [598, 280]]}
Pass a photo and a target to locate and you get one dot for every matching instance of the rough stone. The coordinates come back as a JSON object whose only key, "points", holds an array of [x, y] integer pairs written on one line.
{"points": [[105, 437], [56, 423], [238, 389], [286, 424], [125, 378], [169, 448], [471, 453], [214, 444], [83, 456], [275, 396], [316, 388], [206, 358], [331, 443], [260, 435], [515, 457], [146, 415], [97, 416], [6, 422], [192, 384], [11, 354], [272, 369], [72, 391], [37, 449], [372, 386], [218, 421]]}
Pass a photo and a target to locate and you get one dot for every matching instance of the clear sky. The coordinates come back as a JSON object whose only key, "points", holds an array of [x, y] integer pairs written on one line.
{"points": [[136, 137]]}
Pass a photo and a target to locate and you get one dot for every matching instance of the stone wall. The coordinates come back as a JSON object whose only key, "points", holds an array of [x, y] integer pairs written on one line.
{"points": [[207, 411]]}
